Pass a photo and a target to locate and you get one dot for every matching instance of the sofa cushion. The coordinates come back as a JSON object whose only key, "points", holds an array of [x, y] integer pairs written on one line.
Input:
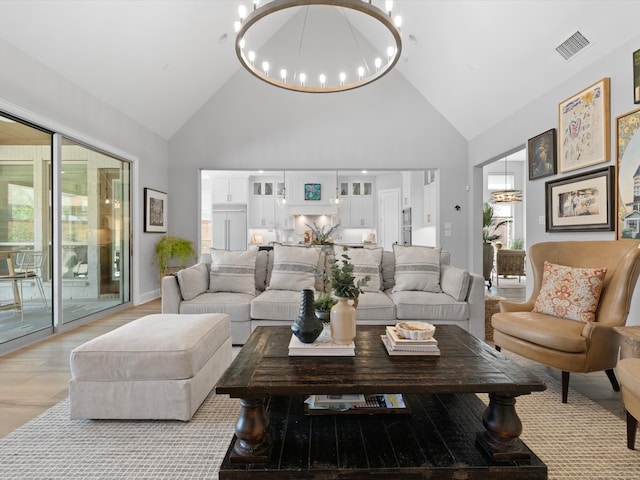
{"points": [[276, 305], [454, 281], [154, 347], [417, 268], [416, 305], [366, 262], [376, 306], [193, 281], [294, 268], [262, 262], [233, 271], [570, 292], [237, 305]]}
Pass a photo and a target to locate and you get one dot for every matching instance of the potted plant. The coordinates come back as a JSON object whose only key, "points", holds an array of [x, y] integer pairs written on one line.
{"points": [[490, 227], [172, 253], [343, 281], [323, 306]]}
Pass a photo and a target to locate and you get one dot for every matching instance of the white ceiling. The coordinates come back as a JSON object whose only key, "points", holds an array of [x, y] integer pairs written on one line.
{"points": [[158, 61]]}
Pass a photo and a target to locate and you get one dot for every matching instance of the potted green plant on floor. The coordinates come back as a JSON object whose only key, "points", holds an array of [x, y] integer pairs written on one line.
{"points": [[490, 226], [172, 254]]}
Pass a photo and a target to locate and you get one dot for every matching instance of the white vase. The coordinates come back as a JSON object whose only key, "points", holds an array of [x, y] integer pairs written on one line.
{"points": [[343, 321]]}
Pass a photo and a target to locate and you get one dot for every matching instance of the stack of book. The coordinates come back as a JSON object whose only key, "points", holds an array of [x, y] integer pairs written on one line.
{"points": [[323, 346], [397, 345]]}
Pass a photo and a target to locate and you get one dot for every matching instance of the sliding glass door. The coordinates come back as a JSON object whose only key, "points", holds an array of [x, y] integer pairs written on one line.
{"points": [[25, 229], [95, 226], [95, 231]]}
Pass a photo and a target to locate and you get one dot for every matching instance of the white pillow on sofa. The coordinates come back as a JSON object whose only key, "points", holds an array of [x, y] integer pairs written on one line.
{"points": [[417, 268], [365, 261], [193, 281], [233, 271], [454, 281], [294, 268]]}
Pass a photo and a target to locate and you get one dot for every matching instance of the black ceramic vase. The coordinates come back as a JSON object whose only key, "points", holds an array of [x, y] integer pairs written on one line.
{"points": [[307, 327]]}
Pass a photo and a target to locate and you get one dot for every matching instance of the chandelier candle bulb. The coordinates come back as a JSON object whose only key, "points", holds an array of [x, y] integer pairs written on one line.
{"points": [[265, 68], [242, 12], [283, 75]]}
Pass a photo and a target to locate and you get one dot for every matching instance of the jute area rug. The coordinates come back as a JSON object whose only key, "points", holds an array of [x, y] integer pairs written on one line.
{"points": [[578, 440]]}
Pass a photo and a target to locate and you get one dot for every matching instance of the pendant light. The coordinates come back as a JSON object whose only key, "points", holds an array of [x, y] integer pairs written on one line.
{"points": [[507, 195]]}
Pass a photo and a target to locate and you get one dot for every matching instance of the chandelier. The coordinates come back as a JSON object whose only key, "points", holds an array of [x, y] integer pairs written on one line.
{"points": [[506, 195], [322, 49]]}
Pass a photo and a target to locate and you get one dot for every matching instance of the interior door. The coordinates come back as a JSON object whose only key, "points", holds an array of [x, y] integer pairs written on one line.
{"points": [[389, 218]]}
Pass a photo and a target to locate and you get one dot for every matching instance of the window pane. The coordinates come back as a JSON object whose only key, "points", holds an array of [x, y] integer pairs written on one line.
{"points": [[95, 231]]}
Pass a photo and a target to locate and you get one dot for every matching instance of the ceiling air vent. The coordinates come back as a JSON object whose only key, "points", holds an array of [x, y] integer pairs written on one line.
{"points": [[572, 45]]}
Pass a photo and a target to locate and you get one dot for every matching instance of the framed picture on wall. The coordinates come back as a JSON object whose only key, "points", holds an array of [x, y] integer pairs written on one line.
{"points": [[628, 174], [584, 128], [636, 76], [155, 211], [581, 203], [541, 152], [312, 191]]}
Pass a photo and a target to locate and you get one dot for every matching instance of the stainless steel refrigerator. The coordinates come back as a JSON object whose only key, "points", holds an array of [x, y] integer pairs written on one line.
{"points": [[229, 227]]}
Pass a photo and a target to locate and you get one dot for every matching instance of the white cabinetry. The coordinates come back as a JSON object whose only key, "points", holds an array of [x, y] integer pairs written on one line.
{"points": [[264, 211], [357, 209], [229, 190]]}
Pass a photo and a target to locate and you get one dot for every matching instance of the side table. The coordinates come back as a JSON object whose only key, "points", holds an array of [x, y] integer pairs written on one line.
{"points": [[629, 341]]}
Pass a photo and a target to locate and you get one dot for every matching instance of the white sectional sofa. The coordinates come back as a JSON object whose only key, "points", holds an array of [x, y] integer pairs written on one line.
{"points": [[262, 287]]}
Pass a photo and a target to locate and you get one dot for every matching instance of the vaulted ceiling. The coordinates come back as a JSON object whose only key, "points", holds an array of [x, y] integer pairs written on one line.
{"points": [[159, 61]]}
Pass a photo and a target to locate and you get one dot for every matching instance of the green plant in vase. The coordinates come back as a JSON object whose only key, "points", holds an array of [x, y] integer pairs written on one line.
{"points": [[343, 280], [323, 306]]}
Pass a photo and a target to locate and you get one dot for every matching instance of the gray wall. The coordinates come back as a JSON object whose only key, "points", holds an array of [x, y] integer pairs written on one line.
{"points": [[32, 91], [539, 116], [386, 125]]}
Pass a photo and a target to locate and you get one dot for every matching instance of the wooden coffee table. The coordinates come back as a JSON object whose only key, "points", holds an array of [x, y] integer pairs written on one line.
{"points": [[449, 430]]}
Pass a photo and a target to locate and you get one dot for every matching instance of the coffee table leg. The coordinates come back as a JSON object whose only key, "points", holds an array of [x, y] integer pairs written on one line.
{"points": [[501, 441], [253, 443]]}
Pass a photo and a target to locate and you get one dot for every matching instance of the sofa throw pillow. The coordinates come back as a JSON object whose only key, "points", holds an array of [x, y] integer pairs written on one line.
{"points": [[570, 292], [294, 268], [454, 281], [193, 281], [417, 268], [233, 270], [365, 261]]}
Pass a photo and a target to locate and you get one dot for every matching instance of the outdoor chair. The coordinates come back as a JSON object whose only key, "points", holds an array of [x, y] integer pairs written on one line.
{"points": [[28, 267]]}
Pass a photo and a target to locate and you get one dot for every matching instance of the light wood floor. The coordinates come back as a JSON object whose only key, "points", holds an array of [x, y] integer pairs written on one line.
{"points": [[35, 378]]}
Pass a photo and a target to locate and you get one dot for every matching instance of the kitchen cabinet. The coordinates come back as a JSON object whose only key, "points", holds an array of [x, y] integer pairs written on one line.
{"points": [[264, 211], [357, 209], [229, 190]]}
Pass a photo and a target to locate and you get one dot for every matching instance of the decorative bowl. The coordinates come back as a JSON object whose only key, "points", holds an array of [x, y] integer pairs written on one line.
{"points": [[415, 330]]}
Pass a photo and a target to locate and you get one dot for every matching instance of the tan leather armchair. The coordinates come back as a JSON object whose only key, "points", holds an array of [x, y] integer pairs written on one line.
{"points": [[570, 345]]}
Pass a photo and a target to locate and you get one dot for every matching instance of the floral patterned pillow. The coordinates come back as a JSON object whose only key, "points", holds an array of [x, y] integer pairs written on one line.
{"points": [[569, 292]]}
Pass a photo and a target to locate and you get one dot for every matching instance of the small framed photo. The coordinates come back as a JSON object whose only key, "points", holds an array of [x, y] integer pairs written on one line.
{"points": [[636, 76], [584, 128], [312, 191], [581, 203], [541, 151], [155, 211]]}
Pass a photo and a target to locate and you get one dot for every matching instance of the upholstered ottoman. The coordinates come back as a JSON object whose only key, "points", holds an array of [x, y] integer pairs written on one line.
{"points": [[160, 366]]}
